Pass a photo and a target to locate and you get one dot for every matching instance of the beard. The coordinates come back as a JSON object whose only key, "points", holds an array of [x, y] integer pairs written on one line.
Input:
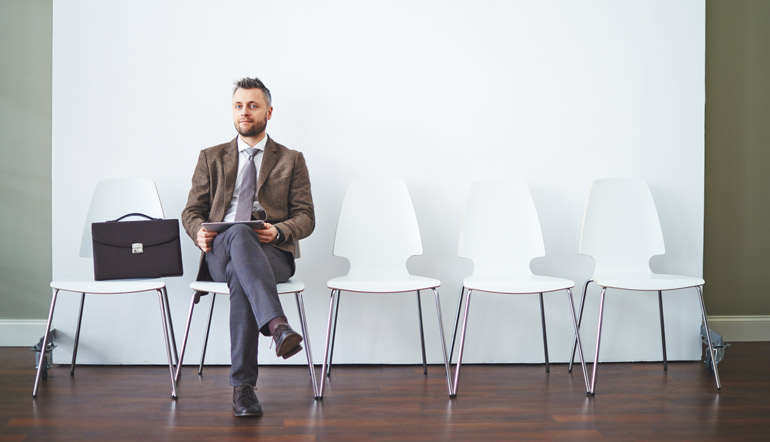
{"points": [[256, 128]]}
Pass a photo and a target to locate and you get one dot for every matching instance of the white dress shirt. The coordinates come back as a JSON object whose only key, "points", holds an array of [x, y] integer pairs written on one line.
{"points": [[243, 159]]}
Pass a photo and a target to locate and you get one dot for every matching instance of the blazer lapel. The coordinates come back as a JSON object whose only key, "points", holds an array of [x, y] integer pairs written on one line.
{"points": [[268, 161], [230, 166]]}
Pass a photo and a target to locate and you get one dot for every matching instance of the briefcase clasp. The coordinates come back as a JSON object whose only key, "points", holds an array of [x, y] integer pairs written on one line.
{"points": [[137, 248]]}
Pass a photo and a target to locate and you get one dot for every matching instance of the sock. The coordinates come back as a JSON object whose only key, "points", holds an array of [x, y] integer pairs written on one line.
{"points": [[275, 322]]}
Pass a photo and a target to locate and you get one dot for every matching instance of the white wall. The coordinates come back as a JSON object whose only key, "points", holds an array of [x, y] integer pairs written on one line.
{"points": [[439, 93]]}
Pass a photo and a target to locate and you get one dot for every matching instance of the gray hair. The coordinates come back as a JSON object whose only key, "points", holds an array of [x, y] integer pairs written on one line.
{"points": [[254, 83]]}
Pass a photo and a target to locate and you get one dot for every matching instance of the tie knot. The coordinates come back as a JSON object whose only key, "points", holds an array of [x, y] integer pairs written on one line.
{"points": [[251, 151]]}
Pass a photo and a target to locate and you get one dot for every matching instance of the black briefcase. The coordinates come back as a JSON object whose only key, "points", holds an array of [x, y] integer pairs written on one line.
{"points": [[136, 249]]}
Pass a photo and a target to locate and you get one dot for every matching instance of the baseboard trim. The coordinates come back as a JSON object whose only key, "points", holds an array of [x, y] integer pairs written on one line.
{"points": [[26, 332], [21, 332], [742, 328]]}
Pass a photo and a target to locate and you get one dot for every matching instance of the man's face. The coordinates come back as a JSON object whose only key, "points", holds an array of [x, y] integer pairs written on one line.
{"points": [[250, 112]]}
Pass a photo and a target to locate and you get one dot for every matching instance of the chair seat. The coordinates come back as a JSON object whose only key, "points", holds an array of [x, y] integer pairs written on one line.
{"points": [[518, 284], [646, 281], [383, 284], [109, 287], [221, 287]]}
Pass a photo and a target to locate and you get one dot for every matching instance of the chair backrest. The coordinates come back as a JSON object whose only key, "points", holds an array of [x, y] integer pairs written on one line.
{"points": [[114, 198], [377, 228], [621, 229], [501, 230]]}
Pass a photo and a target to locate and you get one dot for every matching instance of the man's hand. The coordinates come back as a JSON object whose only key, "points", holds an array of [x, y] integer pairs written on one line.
{"points": [[268, 234], [205, 239]]}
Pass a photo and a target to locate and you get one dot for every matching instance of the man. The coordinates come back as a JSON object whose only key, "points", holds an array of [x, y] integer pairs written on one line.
{"points": [[251, 177]]}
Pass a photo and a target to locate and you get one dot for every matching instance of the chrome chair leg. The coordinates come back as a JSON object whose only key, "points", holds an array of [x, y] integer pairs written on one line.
{"points": [[422, 335], [184, 340], [580, 321], [206, 336], [545, 337], [324, 366], [457, 321], [170, 326], [443, 342], [42, 359], [453, 390], [662, 330], [77, 334], [334, 333], [308, 353], [579, 344], [598, 340], [708, 337], [166, 331]]}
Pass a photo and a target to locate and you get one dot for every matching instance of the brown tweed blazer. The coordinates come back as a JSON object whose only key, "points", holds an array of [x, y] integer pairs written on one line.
{"points": [[283, 190]]}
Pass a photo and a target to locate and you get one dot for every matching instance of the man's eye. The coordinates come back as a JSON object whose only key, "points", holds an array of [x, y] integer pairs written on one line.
{"points": [[237, 106], [253, 106]]}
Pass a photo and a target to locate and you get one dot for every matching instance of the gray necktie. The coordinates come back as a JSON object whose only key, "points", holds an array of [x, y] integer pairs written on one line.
{"points": [[248, 188]]}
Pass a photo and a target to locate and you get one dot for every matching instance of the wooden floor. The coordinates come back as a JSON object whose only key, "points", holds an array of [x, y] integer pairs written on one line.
{"points": [[393, 403]]}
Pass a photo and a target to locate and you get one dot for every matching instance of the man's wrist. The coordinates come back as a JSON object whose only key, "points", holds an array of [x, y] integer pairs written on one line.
{"points": [[278, 236]]}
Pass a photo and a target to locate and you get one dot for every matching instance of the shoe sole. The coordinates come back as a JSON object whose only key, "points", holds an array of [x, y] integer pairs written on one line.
{"points": [[247, 414], [292, 352], [288, 344]]}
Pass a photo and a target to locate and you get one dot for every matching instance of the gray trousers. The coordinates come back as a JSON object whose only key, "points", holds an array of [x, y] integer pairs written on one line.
{"points": [[251, 270]]}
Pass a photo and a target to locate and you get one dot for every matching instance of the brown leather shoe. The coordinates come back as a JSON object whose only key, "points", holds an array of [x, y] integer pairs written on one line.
{"points": [[245, 402], [286, 341]]}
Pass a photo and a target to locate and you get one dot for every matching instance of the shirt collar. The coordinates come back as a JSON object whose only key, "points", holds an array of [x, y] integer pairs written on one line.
{"points": [[242, 145]]}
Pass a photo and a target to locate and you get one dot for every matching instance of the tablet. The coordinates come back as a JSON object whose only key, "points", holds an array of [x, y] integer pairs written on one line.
{"points": [[221, 227]]}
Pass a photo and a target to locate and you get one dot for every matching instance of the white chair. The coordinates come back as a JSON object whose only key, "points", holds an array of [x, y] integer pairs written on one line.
{"points": [[112, 199], [377, 232], [215, 288], [501, 234], [621, 231]]}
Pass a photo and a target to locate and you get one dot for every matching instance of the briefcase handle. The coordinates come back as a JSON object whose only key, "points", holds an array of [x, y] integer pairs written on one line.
{"points": [[134, 214]]}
